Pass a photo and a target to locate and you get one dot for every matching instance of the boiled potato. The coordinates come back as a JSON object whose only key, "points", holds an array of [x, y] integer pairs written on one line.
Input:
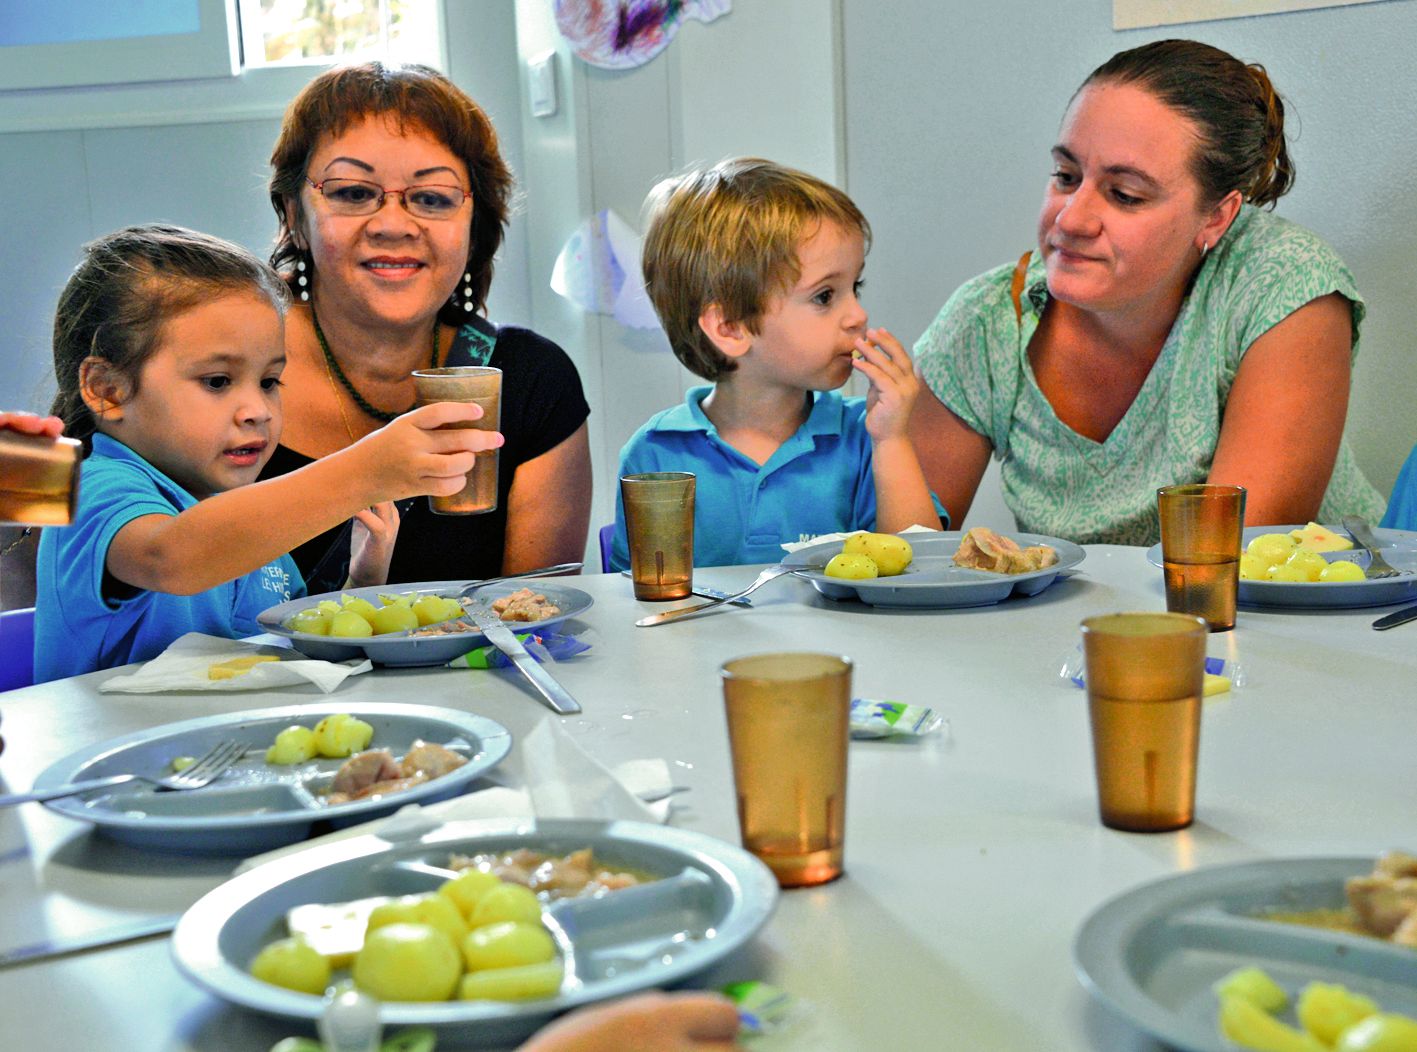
{"points": [[510, 944], [890, 553], [328, 607], [851, 567], [342, 735], [1311, 564], [1383, 1032], [1253, 568], [507, 902], [311, 620], [437, 911], [393, 618], [1247, 1024], [1271, 548], [1327, 1009], [408, 962], [363, 607], [1342, 570], [295, 744], [1254, 985], [433, 608], [1287, 574], [465, 890], [294, 964], [348, 625], [526, 983]]}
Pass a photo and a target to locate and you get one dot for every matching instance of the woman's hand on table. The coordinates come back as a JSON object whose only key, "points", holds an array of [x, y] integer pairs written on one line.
{"points": [[655, 1022]]}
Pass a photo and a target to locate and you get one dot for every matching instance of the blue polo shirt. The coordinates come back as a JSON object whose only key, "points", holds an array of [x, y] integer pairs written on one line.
{"points": [[818, 481], [1402, 507], [78, 629]]}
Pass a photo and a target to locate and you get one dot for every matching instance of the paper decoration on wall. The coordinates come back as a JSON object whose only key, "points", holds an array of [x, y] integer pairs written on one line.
{"points": [[1134, 14], [622, 34], [599, 271]]}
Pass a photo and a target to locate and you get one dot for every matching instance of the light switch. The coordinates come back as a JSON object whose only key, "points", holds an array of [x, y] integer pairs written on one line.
{"points": [[541, 83]]}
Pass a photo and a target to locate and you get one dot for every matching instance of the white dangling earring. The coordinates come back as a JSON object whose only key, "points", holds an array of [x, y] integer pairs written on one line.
{"points": [[1205, 247], [302, 280], [467, 291]]}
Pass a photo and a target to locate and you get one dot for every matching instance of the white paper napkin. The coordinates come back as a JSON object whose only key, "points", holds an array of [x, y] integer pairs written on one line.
{"points": [[548, 775], [792, 546], [186, 665]]}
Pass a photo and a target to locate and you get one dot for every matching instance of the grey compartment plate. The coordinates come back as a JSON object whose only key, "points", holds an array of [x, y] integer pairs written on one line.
{"points": [[406, 649], [932, 581], [715, 898], [257, 806], [1151, 954], [1399, 547]]}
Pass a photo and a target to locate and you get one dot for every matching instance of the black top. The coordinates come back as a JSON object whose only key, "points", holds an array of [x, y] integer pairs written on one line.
{"points": [[542, 406]]}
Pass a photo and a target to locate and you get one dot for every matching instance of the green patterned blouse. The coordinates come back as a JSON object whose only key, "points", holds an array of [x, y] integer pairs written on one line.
{"points": [[1057, 482]]}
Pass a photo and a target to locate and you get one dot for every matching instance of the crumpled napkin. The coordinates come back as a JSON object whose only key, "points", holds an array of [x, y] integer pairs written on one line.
{"points": [[185, 665], [792, 546], [547, 775]]}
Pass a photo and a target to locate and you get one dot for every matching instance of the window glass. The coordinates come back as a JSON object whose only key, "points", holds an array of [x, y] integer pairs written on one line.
{"points": [[293, 32]]}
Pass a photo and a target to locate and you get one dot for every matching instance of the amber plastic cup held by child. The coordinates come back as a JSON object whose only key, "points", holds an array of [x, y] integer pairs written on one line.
{"points": [[1145, 675], [659, 525], [788, 725], [1201, 536], [482, 385], [39, 479]]}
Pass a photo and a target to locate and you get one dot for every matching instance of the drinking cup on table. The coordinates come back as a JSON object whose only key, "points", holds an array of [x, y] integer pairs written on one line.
{"points": [[659, 525], [788, 728], [481, 384], [1145, 675], [1201, 533], [39, 479]]}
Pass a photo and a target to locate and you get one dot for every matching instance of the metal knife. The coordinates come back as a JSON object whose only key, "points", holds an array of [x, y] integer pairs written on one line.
{"points": [[704, 592], [63, 945], [502, 637], [1397, 617]]}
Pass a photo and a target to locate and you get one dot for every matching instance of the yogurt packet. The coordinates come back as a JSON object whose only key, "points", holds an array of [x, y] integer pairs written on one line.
{"points": [[1221, 674], [762, 1009], [892, 719], [545, 646]]}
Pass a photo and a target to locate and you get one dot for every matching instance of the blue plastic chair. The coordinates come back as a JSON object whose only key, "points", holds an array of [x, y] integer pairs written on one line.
{"points": [[607, 534], [16, 648]]}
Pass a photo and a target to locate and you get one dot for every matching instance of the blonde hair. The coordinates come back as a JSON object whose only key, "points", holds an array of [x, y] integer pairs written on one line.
{"points": [[729, 235]]}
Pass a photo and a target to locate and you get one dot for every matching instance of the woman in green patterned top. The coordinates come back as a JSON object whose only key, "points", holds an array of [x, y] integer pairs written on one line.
{"points": [[1167, 329]]}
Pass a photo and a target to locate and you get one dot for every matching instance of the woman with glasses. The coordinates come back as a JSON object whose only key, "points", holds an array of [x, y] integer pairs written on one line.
{"points": [[1166, 329], [392, 199]]}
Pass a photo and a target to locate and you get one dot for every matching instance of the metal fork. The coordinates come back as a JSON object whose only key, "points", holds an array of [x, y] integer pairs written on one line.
{"points": [[771, 573], [203, 771], [1378, 567]]}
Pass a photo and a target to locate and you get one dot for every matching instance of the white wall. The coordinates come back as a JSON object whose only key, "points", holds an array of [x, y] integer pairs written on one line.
{"points": [[951, 109]]}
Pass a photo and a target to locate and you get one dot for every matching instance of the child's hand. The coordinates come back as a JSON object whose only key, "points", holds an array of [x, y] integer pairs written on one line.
{"points": [[412, 457], [371, 544], [894, 385], [31, 424], [682, 1022]]}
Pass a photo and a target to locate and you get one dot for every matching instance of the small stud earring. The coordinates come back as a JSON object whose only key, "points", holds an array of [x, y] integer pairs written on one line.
{"points": [[1205, 247]]}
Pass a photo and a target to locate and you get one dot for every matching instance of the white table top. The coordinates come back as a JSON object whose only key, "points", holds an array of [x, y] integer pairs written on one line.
{"points": [[971, 858]]}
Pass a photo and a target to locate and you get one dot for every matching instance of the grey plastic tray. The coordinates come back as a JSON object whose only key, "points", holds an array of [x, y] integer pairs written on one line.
{"points": [[257, 806], [1399, 549], [1151, 954], [932, 580], [714, 899], [404, 648]]}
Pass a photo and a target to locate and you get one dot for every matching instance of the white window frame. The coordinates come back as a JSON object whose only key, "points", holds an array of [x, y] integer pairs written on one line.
{"points": [[251, 94]]}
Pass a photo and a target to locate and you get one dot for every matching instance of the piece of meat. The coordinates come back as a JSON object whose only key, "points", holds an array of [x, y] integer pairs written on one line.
{"points": [[1395, 864], [1382, 903], [524, 605], [429, 759], [383, 787], [363, 770], [983, 549]]}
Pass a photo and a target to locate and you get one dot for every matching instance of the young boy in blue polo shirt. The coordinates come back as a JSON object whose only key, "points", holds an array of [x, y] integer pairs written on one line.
{"points": [[755, 272]]}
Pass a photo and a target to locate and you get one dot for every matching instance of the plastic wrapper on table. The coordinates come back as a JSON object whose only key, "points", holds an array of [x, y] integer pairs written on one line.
{"points": [[892, 719], [546, 647]]}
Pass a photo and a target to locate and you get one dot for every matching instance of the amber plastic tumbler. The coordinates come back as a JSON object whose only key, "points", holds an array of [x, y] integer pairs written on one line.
{"points": [[1201, 535], [788, 717], [1145, 677], [659, 526], [482, 385], [39, 479]]}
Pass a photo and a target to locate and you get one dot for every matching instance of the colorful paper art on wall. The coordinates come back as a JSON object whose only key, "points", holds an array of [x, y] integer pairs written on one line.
{"points": [[622, 34], [599, 271]]}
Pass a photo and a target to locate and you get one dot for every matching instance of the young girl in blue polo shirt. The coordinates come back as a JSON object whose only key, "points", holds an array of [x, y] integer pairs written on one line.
{"points": [[168, 351], [755, 272]]}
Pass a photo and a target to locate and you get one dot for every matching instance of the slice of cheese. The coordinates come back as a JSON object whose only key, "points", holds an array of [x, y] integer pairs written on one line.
{"points": [[336, 930], [1215, 685], [237, 666], [1316, 538]]}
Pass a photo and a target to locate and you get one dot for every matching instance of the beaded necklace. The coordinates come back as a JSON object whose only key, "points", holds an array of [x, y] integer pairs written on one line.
{"points": [[333, 366]]}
